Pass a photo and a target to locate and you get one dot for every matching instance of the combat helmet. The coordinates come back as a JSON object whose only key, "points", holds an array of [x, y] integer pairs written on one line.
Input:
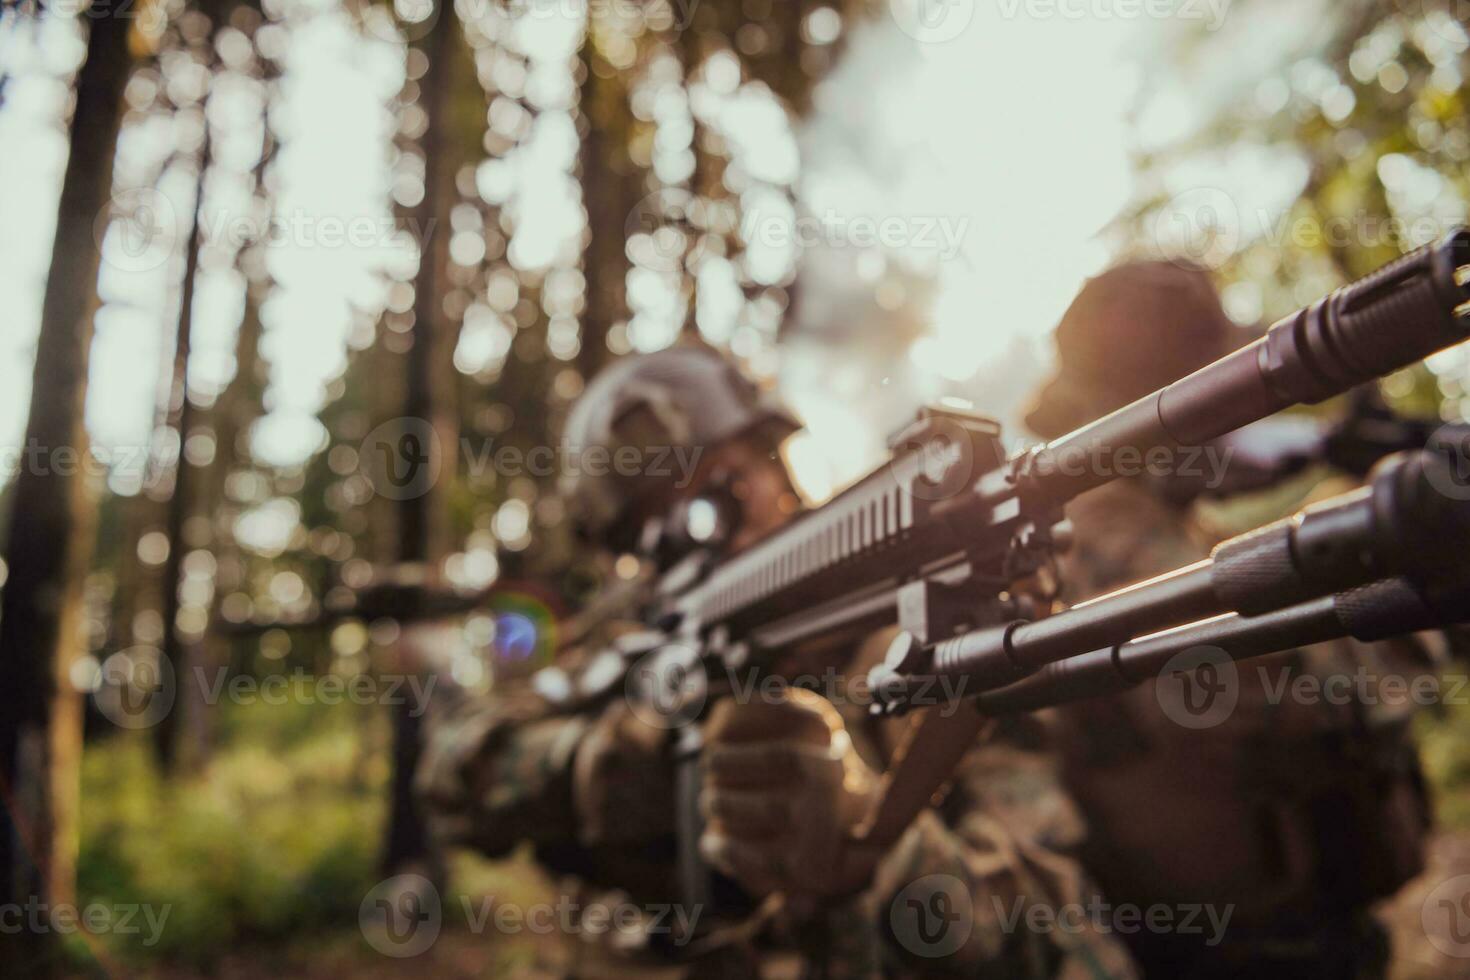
{"points": [[681, 398], [1131, 330]]}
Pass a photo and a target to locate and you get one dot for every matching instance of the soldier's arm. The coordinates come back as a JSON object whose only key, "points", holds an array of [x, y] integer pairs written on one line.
{"points": [[509, 769], [988, 886], [498, 771], [958, 893]]}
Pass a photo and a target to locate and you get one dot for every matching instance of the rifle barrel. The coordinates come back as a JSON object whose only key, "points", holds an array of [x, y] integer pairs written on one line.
{"points": [[1387, 320], [1385, 608], [1402, 524]]}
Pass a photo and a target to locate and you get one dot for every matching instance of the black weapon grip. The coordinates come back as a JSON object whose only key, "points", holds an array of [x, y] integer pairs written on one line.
{"points": [[694, 874]]}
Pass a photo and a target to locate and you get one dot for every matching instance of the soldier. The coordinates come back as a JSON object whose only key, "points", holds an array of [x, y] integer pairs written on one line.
{"points": [[784, 778], [1299, 809]]}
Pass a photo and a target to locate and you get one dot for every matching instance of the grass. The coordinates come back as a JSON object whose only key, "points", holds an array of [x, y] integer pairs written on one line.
{"points": [[262, 855], [275, 837]]}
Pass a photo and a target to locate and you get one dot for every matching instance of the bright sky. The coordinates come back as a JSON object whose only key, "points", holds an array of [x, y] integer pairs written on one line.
{"points": [[1006, 147], [999, 140]]}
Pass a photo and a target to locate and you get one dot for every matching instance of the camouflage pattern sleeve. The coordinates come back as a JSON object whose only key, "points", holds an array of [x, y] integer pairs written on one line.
{"points": [[497, 771], [986, 886], [1109, 552]]}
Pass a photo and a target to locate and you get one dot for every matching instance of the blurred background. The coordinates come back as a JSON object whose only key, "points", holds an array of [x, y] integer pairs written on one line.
{"points": [[241, 241]]}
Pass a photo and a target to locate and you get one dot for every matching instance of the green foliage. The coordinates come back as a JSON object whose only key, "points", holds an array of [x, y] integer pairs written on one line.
{"points": [[1444, 745], [1370, 113], [274, 840]]}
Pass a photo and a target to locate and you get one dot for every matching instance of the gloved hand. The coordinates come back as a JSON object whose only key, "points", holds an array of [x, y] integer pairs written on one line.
{"points": [[783, 788], [622, 780]]}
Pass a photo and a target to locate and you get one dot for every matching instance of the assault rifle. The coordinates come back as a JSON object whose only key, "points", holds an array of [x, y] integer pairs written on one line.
{"points": [[1266, 453], [936, 540]]}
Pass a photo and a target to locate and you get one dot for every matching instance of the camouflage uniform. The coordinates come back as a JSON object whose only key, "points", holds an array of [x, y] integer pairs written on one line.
{"points": [[1298, 813], [592, 790], [501, 771]]}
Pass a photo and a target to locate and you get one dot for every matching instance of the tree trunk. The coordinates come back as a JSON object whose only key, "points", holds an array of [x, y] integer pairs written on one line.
{"points": [[610, 192], [421, 525], [49, 543], [180, 500]]}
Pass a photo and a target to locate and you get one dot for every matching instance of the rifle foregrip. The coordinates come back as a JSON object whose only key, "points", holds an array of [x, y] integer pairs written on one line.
{"points": [[1389, 319], [1252, 572], [1402, 524], [1384, 609]]}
